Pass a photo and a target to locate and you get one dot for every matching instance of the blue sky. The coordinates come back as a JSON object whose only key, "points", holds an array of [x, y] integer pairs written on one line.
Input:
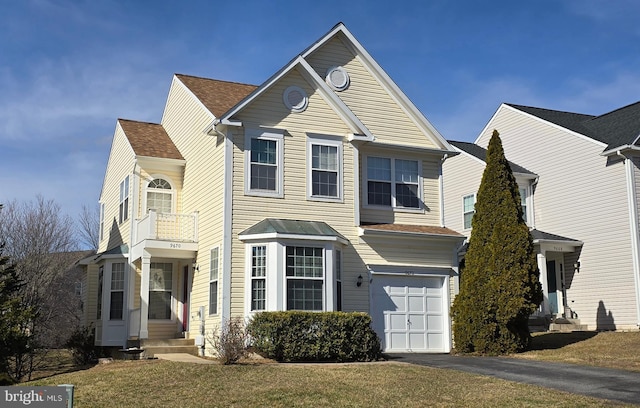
{"points": [[70, 68]]}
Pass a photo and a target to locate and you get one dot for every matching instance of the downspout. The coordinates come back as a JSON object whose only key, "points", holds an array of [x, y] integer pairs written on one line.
{"points": [[227, 202], [533, 202], [133, 235], [633, 224], [441, 189], [356, 186]]}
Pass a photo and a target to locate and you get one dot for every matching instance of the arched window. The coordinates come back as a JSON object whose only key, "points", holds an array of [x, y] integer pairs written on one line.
{"points": [[159, 196]]}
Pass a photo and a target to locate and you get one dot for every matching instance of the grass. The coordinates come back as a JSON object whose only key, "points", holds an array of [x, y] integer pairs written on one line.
{"points": [[603, 349], [158, 383]]}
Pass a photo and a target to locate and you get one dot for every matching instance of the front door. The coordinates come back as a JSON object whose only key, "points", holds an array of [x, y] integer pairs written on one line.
{"points": [[552, 286]]}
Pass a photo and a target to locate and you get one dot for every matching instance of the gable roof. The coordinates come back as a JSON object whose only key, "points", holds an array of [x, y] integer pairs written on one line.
{"points": [[217, 96], [149, 139], [481, 154], [616, 129], [360, 130]]}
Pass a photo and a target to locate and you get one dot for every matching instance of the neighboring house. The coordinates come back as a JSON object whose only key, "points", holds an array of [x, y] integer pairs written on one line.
{"points": [[320, 190], [578, 176]]}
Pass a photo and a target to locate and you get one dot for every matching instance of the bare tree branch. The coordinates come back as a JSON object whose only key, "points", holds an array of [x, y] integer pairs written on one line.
{"points": [[89, 226]]}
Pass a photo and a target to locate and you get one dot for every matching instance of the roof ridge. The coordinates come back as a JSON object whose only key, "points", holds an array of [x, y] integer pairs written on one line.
{"points": [[548, 110], [616, 110], [140, 121]]}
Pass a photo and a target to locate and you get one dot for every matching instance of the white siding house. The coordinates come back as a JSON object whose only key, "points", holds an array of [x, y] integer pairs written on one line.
{"points": [[582, 205]]}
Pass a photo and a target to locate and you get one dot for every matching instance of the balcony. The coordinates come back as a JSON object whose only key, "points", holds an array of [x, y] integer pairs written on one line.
{"points": [[166, 234]]}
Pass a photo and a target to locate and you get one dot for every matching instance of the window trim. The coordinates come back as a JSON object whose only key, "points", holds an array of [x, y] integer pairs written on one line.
{"points": [[254, 278], [464, 227], [213, 307], [101, 221], [325, 140], [276, 135], [394, 183]]}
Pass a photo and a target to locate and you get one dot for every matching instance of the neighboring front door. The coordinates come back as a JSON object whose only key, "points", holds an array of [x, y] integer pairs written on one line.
{"points": [[185, 299], [552, 286]]}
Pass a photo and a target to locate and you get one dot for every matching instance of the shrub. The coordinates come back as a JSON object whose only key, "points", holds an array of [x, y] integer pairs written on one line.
{"points": [[312, 336], [230, 342], [81, 343]]}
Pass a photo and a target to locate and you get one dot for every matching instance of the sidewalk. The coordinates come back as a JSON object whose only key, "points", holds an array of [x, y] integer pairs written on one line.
{"points": [[605, 383]]}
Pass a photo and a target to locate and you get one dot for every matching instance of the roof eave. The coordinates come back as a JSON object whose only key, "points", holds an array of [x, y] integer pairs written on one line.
{"points": [[413, 234]]}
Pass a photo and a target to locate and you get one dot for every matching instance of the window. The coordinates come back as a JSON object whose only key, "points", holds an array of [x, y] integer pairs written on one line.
{"points": [[116, 305], [100, 280], [264, 159], [159, 196], [523, 202], [213, 281], [258, 277], [393, 182], [304, 273], [160, 287], [324, 161], [468, 204], [101, 221], [338, 273], [124, 200]]}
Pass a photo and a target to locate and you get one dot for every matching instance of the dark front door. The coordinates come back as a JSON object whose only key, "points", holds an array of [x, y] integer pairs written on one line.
{"points": [[552, 287]]}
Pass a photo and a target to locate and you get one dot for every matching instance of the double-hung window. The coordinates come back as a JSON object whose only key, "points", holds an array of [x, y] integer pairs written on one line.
{"points": [[523, 203], [468, 205], [338, 274], [264, 156], [213, 281], [324, 163], [100, 283], [160, 290], [159, 196], [124, 200], [258, 277], [305, 277], [116, 305], [393, 182]]}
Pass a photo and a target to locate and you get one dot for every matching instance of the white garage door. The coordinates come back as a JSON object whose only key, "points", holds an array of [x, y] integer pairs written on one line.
{"points": [[409, 314]]}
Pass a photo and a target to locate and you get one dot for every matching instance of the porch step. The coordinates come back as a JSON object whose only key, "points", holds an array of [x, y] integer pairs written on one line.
{"points": [[167, 346], [566, 325]]}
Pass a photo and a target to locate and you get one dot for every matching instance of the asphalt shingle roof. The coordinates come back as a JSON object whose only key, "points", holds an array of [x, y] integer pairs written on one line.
{"points": [[616, 128], [481, 153], [217, 96], [149, 139], [296, 227]]}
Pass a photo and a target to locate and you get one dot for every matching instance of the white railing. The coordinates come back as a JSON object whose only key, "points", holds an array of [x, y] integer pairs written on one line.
{"points": [[168, 227]]}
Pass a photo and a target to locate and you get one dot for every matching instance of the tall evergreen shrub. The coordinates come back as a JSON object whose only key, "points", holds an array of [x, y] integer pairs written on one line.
{"points": [[499, 286]]}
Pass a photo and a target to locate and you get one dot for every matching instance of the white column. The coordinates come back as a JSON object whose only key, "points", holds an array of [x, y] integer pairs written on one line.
{"points": [[144, 296], [542, 266]]}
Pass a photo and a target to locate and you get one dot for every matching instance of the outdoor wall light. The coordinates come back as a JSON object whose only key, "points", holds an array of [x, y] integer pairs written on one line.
{"points": [[359, 281], [196, 267], [576, 266]]}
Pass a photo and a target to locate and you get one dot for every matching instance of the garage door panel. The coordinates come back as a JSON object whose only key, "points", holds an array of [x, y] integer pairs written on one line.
{"points": [[436, 341], [416, 322], [434, 322], [434, 304], [417, 341], [397, 322], [399, 302], [416, 304]]}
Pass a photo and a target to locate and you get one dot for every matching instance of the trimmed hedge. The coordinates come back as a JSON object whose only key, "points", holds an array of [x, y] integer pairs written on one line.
{"points": [[313, 336]]}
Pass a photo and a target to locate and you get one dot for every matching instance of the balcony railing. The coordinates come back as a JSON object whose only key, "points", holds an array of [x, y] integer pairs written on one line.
{"points": [[168, 227]]}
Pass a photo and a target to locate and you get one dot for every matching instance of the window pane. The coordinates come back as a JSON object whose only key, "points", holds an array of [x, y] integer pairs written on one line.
{"points": [[467, 220], [159, 201], [324, 183], [379, 193], [263, 151], [258, 294], [379, 168], [117, 276], [213, 270], [324, 157], [304, 294], [159, 305], [407, 196], [116, 305], [304, 262], [407, 171], [263, 177], [468, 203], [259, 261], [160, 276], [213, 297]]}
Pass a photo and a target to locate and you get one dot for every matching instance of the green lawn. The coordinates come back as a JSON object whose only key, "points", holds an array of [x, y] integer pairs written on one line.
{"points": [[158, 383]]}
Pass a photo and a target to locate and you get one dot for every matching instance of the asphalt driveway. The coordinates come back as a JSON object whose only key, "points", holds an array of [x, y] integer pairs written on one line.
{"points": [[617, 385]]}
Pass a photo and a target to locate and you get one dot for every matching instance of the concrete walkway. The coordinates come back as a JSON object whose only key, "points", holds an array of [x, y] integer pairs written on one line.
{"points": [[184, 358], [617, 385]]}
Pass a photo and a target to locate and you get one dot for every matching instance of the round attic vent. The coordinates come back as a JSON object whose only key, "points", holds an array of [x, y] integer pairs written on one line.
{"points": [[295, 98], [338, 78]]}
